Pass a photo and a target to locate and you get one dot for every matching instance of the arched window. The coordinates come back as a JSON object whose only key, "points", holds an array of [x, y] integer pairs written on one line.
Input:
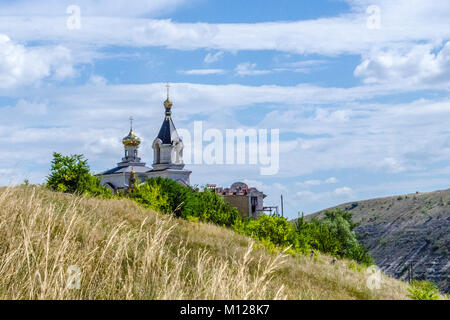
{"points": [[135, 153], [126, 153], [157, 150]]}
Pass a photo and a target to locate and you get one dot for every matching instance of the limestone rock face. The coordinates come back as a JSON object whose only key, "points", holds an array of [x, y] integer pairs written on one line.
{"points": [[407, 230]]}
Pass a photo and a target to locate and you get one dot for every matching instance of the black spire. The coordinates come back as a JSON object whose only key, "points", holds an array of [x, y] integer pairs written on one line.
{"points": [[167, 133]]}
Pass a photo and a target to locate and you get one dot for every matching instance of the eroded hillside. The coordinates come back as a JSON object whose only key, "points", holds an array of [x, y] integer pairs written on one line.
{"points": [[407, 231]]}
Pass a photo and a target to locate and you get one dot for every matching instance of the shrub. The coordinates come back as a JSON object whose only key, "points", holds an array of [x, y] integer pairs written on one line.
{"points": [[274, 229], [212, 208], [180, 199], [151, 196], [168, 196], [333, 235], [71, 174], [423, 290], [322, 238]]}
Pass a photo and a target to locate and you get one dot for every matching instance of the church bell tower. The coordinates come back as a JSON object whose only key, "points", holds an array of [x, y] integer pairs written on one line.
{"points": [[168, 149]]}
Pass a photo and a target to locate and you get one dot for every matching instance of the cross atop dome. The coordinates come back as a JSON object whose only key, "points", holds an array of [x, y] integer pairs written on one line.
{"points": [[131, 140], [131, 123]]}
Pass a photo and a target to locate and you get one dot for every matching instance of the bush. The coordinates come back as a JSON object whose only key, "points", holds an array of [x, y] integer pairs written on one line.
{"points": [[274, 229], [212, 208], [333, 235], [151, 196], [168, 196], [320, 237], [423, 290], [71, 174], [180, 199]]}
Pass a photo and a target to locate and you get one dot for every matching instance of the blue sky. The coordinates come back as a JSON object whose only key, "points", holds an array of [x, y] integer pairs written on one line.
{"points": [[362, 108]]}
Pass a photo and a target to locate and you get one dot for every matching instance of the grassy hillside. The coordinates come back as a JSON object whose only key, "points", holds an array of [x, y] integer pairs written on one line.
{"points": [[126, 252], [406, 230]]}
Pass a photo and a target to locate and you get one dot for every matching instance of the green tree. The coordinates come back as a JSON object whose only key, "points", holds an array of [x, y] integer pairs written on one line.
{"points": [[212, 208], [71, 174], [274, 229], [181, 199], [333, 235], [151, 196]]}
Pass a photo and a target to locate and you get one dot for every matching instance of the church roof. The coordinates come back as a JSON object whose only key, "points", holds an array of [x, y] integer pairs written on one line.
{"points": [[124, 169], [168, 133]]}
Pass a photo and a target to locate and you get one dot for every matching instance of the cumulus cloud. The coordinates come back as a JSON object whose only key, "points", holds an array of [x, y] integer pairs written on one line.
{"points": [[344, 191], [415, 65], [20, 65]]}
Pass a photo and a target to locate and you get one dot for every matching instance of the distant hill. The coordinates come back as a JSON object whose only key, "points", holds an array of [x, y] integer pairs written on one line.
{"points": [[406, 230], [119, 250]]}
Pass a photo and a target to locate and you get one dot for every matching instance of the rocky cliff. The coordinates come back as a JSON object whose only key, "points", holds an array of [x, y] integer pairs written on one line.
{"points": [[407, 234]]}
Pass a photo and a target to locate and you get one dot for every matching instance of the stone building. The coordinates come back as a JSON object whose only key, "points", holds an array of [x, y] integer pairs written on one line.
{"points": [[167, 158], [248, 201]]}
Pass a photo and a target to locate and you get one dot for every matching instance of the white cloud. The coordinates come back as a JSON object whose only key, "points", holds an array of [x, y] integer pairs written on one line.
{"points": [[20, 65], [213, 57], [344, 191], [410, 65], [316, 182], [391, 164], [304, 66], [313, 182], [338, 195], [97, 80], [422, 21], [249, 69], [331, 180], [202, 72]]}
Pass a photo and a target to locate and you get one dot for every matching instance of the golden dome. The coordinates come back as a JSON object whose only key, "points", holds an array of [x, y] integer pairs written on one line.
{"points": [[168, 103], [131, 140]]}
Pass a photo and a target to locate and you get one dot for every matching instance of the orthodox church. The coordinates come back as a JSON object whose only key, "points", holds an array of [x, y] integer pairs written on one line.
{"points": [[167, 157]]}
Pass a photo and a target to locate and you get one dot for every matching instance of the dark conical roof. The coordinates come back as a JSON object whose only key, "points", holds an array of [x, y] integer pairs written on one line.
{"points": [[167, 133]]}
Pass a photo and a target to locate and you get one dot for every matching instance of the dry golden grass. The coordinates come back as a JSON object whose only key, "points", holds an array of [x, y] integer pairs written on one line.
{"points": [[126, 252]]}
